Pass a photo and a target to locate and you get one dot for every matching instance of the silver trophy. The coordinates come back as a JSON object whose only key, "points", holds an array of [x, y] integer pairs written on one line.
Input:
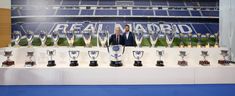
{"points": [[116, 52], [30, 37], [182, 62], [103, 37], [86, 34], [55, 38], [16, 38], [74, 55], [204, 62], [30, 62], [138, 55], [208, 39], [70, 37], [199, 39], [181, 36], [153, 35], [51, 62], [170, 36], [216, 40], [138, 37], [93, 55], [43, 37], [8, 62], [190, 40], [160, 61], [225, 54]]}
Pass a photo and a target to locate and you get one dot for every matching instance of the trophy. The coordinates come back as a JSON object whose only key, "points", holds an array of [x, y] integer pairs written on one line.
{"points": [[199, 37], [216, 40], [29, 37], [182, 62], [208, 40], [138, 55], [30, 62], [170, 35], [8, 62], [55, 38], [204, 62], [224, 53], [74, 55], [116, 51], [70, 38], [138, 37], [154, 37], [160, 61], [87, 37], [181, 36], [16, 38], [43, 38], [93, 55], [190, 40], [51, 62], [103, 37]]}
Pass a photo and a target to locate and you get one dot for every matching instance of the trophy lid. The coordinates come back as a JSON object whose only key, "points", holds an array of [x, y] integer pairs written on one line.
{"points": [[7, 53]]}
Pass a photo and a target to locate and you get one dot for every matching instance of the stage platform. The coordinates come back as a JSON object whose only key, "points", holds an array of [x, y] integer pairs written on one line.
{"points": [[148, 74]]}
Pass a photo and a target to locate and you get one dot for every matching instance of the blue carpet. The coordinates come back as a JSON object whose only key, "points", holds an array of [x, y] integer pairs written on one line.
{"points": [[120, 90]]}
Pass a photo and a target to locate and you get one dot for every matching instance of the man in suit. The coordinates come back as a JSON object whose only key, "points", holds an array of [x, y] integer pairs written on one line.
{"points": [[129, 39], [116, 38]]}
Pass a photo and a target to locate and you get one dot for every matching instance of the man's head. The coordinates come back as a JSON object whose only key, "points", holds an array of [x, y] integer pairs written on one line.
{"points": [[117, 30], [127, 28]]}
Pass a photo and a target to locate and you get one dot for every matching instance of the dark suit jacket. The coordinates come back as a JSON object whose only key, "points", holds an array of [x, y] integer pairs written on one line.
{"points": [[113, 40], [130, 41]]}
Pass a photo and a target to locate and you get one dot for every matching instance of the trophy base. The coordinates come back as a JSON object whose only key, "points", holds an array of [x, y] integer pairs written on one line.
{"points": [[30, 63], [116, 63], [51, 63], [138, 63], [183, 63], [223, 62], [93, 63], [8, 63], [73, 63], [160, 63], [204, 63]]}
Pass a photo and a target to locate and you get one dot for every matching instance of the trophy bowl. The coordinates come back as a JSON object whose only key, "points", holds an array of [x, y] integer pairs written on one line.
{"points": [[74, 55], [204, 62], [138, 55], [224, 61], [51, 62], [116, 51], [182, 62], [93, 55], [16, 38], [30, 62], [70, 38], [8, 62], [160, 62], [86, 34], [29, 37], [103, 37], [43, 38], [55, 38], [138, 37]]}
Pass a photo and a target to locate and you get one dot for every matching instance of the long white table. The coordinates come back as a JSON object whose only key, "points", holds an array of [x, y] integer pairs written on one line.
{"points": [[149, 73]]}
